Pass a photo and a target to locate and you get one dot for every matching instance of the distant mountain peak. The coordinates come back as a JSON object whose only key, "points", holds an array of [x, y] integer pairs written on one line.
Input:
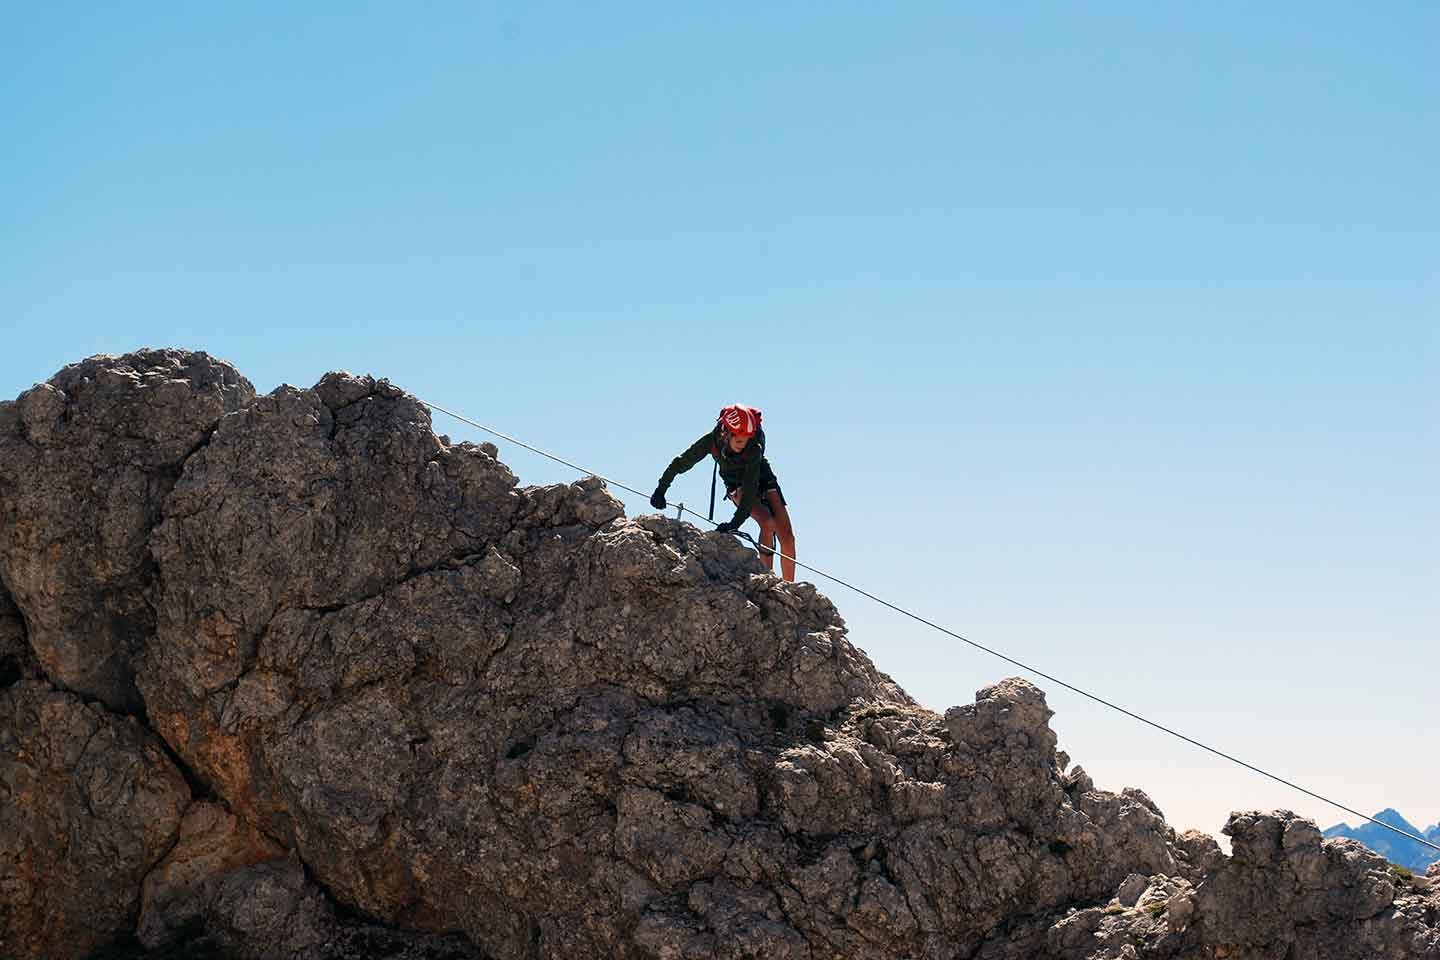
{"points": [[1389, 816], [1411, 854], [1394, 819]]}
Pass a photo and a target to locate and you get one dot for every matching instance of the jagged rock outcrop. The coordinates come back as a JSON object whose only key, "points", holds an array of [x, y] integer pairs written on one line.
{"points": [[1286, 888], [425, 709], [86, 461], [1284, 893]]}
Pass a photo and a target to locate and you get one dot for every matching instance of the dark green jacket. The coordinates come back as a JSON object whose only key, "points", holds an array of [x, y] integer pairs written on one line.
{"points": [[743, 469]]}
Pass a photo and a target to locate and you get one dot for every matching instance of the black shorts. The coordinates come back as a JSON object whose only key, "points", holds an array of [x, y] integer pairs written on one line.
{"points": [[766, 485]]}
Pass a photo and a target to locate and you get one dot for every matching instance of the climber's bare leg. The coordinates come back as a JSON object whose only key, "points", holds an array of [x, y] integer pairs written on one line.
{"points": [[780, 524]]}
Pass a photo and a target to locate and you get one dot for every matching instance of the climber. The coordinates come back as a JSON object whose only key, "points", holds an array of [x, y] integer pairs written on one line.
{"points": [[738, 445]]}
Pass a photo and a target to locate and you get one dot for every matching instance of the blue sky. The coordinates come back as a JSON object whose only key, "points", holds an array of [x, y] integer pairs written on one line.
{"points": [[1106, 337]]}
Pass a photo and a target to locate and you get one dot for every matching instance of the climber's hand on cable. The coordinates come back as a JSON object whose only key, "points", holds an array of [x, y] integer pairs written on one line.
{"points": [[657, 499], [729, 526]]}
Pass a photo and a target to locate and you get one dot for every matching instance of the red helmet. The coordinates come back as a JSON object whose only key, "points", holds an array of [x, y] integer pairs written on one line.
{"points": [[740, 420]]}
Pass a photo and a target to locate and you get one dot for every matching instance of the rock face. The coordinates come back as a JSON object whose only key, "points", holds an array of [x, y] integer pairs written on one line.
{"points": [[1285, 893], [212, 844], [90, 804], [86, 461], [425, 711]]}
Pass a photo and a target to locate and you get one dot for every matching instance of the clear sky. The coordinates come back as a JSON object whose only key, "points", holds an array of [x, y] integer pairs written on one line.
{"points": [[1104, 334]]}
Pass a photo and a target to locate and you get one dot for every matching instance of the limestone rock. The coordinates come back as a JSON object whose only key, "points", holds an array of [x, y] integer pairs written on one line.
{"points": [[1284, 894], [1198, 855], [183, 887], [1128, 893], [89, 802], [1286, 888], [435, 713], [86, 461], [272, 910], [511, 711]]}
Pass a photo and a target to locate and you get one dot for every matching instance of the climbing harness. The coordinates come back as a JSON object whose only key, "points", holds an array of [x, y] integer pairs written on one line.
{"points": [[680, 509]]}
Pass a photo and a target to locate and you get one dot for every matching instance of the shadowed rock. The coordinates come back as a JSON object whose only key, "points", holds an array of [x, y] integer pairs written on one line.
{"points": [[184, 887], [88, 804], [270, 910], [17, 662]]}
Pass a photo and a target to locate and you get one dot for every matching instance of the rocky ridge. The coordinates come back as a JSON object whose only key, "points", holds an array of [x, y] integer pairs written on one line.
{"points": [[291, 675]]}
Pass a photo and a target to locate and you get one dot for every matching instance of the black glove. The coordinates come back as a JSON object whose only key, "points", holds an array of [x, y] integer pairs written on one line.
{"points": [[657, 499], [729, 526]]}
